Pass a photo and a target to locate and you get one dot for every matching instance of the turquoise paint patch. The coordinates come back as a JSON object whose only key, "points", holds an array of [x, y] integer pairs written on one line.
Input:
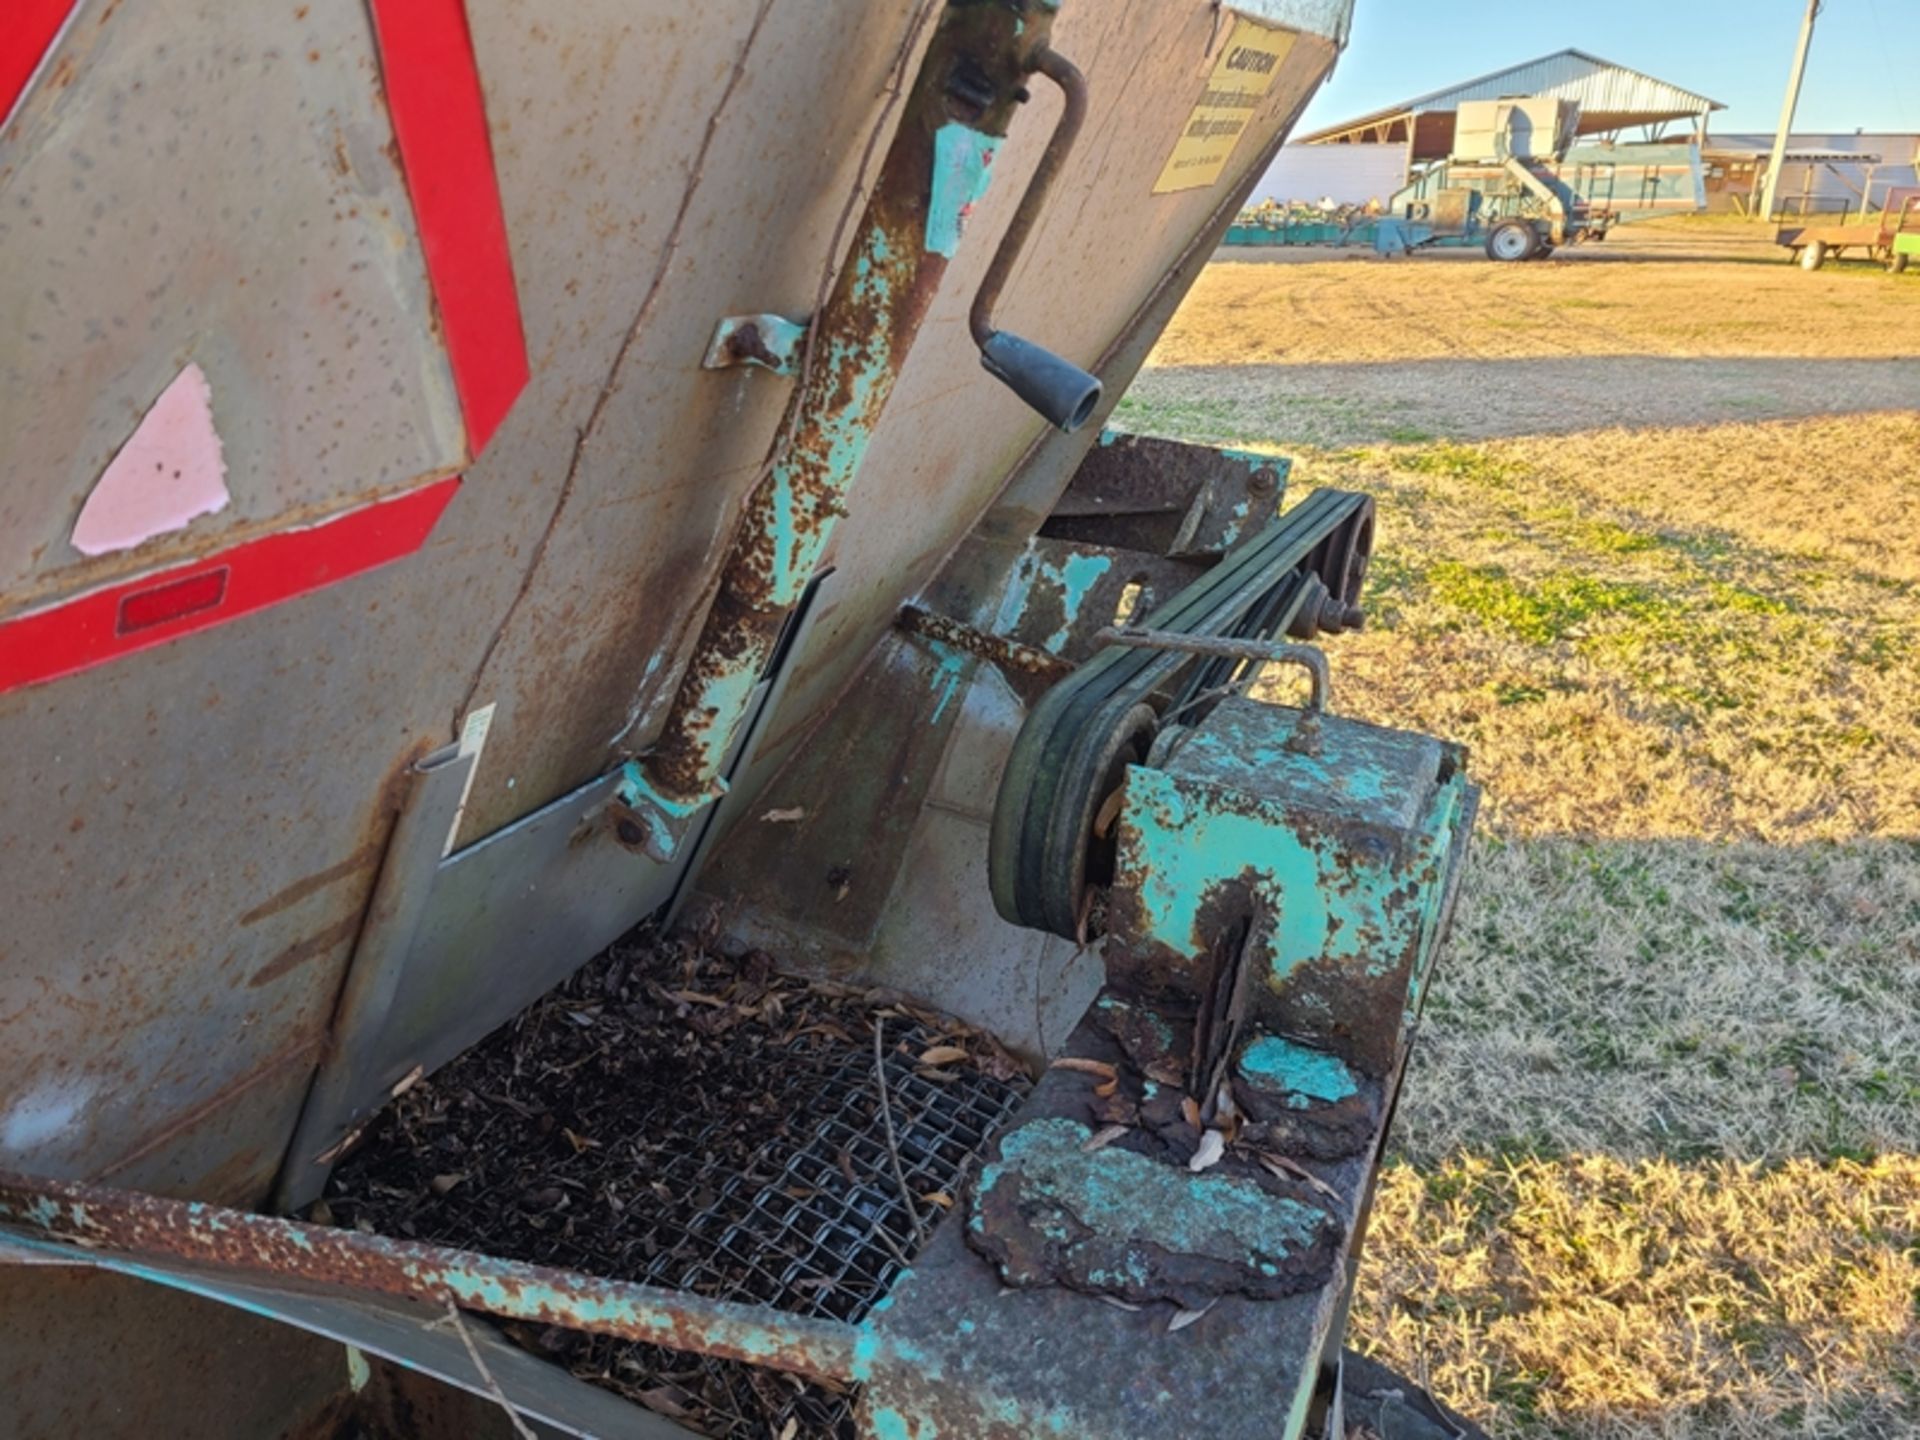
{"points": [[358, 1371], [962, 161], [1117, 1195], [1302, 1074], [657, 809], [1076, 576], [947, 677]]}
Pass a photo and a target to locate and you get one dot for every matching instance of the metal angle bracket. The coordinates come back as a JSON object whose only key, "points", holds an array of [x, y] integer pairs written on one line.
{"points": [[770, 341]]}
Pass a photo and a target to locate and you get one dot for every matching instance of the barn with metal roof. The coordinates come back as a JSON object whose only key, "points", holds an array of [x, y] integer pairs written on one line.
{"points": [[1387, 145], [1612, 99]]}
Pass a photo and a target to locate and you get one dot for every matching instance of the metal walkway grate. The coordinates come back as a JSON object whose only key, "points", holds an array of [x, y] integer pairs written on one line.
{"points": [[779, 1192]]}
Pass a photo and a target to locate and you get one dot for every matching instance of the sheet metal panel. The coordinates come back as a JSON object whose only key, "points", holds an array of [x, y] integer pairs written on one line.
{"points": [[190, 834]]}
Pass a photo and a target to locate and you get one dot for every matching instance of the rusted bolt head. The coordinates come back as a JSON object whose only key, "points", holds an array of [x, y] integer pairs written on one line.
{"points": [[629, 833]]}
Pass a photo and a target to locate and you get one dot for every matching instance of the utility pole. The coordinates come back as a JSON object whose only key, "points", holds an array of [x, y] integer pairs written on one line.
{"points": [[1786, 110]]}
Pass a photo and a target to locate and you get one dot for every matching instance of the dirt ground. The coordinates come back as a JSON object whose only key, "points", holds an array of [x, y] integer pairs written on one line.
{"points": [[1674, 324], [1650, 545]]}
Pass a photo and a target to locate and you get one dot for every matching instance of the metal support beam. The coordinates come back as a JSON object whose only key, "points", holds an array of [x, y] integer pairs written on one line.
{"points": [[237, 1242]]}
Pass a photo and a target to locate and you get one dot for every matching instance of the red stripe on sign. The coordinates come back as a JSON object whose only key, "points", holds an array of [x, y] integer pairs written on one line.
{"points": [[433, 95], [102, 625], [25, 34]]}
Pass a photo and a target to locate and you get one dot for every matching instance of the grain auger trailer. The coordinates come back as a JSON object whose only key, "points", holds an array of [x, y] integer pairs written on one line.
{"points": [[480, 479]]}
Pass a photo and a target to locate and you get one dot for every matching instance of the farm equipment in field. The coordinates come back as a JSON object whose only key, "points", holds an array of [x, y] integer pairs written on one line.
{"points": [[487, 490], [1892, 240], [1517, 184]]}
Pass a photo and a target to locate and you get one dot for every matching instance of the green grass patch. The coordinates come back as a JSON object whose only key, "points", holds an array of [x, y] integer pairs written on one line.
{"points": [[1544, 611], [1473, 464]]}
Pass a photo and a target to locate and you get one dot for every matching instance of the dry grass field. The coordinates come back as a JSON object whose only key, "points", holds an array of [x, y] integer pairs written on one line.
{"points": [[1650, 545]]}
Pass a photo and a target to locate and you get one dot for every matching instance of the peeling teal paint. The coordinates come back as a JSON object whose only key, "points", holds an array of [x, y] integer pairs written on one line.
{"points": [[1119, 1195], [1304, 1075], [962, 166], [1076, 576], [656, 809], [948, 675], [359, 1373]]}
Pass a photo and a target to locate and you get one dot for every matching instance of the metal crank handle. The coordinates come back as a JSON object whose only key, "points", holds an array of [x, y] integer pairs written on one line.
{"points": [[1310, 657], [1060, 390]]}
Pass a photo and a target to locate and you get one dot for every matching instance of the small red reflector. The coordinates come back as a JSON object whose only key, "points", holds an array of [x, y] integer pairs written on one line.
{"points": [[171, 601]]}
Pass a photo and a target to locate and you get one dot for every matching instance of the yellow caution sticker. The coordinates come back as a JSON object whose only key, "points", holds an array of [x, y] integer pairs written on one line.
{"points": [[1240, 79]]}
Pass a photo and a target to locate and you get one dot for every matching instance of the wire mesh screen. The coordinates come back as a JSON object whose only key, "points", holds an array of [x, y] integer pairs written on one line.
{"points": [[678, 1121]]}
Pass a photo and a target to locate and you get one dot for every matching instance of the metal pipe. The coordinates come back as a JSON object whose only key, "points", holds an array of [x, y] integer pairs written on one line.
{"points": [[1073, 89], [258, 1246], [1309, 657], [1060, 390], [969, 86], [1010, 656]]}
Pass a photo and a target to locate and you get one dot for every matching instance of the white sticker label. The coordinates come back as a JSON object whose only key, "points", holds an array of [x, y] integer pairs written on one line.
{"points": [[473, 740]]}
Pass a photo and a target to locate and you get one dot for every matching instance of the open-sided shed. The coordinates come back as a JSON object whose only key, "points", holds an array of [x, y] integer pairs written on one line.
{"points": [[1388, 144], [1612, 99]]}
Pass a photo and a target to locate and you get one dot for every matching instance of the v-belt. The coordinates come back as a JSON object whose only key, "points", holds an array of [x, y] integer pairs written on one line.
{"points": [[1076, 743]]}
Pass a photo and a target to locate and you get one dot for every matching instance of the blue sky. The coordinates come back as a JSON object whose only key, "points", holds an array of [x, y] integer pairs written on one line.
{"points": [[1736, 51]]}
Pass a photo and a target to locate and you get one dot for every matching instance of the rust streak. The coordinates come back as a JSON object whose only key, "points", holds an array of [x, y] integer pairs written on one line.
{"points": [[696, 172], [301, 951], [319, 880]]}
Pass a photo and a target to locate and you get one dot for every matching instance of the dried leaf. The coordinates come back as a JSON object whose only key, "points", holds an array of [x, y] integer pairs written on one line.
{"points": [[784, 817], [1190, 1112], [1285, 1169], [939, 1077], [1117, 1303], [1085, 1067], [1223, 1106], [1165, 1071], [940, 1198], [1106, 1089], [942, 1055], [790, 1429], [694, 997], [1103, 1137], [580, 1143], [407, 1081], [442, 1184], [668, 1400], [1184, 1318], [1212, 1146]]}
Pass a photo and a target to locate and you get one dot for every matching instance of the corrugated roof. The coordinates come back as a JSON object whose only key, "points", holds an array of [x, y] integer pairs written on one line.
{"points": [[1598, 86]]}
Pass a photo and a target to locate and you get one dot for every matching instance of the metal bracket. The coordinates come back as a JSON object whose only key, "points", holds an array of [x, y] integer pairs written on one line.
{"points": [[770, 341], [650, 821], [1311, 657]]}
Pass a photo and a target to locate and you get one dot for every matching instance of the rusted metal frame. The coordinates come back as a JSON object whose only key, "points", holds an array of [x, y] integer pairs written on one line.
{"points": [[973, 78], [133, 1223], [1011, 656]]}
